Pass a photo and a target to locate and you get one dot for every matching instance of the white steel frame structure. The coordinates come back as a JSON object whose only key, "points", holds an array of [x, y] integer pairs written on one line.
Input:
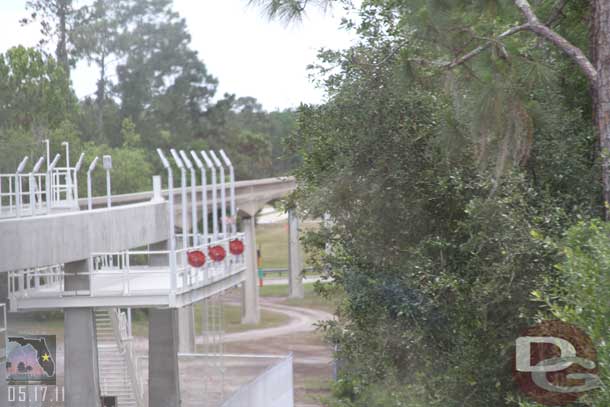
{"points": [[37, 192], [126, 279]]}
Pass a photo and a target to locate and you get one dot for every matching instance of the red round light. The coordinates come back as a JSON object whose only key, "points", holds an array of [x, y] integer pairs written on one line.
{"points": [[236, 247], [196, 258], [217, 253]]}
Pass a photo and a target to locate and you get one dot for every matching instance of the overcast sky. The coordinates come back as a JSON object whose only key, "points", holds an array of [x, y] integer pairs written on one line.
{"points": [[250, 55]]}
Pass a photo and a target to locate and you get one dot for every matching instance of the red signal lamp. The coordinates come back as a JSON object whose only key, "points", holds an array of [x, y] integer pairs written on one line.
{"points": [[196, 258], [217, 253], [236, 247]]}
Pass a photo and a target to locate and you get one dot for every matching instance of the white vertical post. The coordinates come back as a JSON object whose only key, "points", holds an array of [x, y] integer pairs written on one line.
{"points": [[223, 194], [32, 183], [89, 171], [183, 202], [20, 169], [204, 196], [107, 163], [68, 174], [129, 322], [50, 169], [194, 222], [157, 193], [212, 168], [48, 149], [77, 168], [172, 231], [233, 207]]}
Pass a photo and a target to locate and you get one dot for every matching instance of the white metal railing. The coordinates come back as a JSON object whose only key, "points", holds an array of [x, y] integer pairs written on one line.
{"points": [[122, 330], [126, 266], [34, 192], [34, 282], [128, 273], [37, 193], [64, 187], [23, 194]]}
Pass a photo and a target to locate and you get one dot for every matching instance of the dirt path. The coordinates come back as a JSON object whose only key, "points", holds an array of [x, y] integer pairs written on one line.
{"points": [[312, 357], [300, 320]]}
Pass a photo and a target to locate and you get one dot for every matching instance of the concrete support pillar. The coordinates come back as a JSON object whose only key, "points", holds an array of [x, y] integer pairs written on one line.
{"points": [[186, 315], [163, 372], [3, 344], [250, 311], [186, 326], [295, 260], [81, 372], [4, 289]]}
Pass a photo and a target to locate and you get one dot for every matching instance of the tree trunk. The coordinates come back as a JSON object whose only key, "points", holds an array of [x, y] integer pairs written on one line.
{"points": [[600, 39], [61, 51], [101, 98]]}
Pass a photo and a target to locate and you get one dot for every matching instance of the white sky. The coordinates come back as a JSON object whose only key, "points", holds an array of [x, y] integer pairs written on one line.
{"points": [[250, 55]]}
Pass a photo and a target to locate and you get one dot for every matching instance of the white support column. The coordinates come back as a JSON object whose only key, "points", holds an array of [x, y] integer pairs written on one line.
{"points": [[250, 312], [295, 265], [82, 372]]}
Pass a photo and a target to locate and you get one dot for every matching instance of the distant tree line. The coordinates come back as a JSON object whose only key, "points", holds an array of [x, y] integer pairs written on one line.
{"points": [[465, 184], [153, 90]]}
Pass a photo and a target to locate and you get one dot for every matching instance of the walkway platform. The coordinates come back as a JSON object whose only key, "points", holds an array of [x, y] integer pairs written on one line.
{"points": [[120, 280]]}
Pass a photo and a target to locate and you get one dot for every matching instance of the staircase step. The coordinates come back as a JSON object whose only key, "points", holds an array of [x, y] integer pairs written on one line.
{"points": [[112, 362]]}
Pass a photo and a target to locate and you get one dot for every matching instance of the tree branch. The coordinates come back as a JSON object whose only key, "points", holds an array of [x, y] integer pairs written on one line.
{"points": [[557, 12], [545, 32], [481, 48]]}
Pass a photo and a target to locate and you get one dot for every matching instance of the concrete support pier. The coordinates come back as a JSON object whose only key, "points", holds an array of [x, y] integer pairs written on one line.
{"points": [[186, 326], [250, 311], [163, 373], [3, 344], [81, 373], [295, 260], [186, 315]]}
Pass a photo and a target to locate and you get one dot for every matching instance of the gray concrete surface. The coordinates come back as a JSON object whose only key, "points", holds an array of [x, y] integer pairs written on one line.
{"points": [[82, 376], [274, 388], [81, 373], [186, 324], [67, 237], [250, 303], [295, 259], [163, 372], [250, 196]]}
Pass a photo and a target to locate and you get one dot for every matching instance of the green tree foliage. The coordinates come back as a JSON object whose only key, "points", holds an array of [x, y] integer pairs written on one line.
{"points": [[254, 138], [34, 90], [58, 20], [153, 91], [578, 294], [434, 181]]}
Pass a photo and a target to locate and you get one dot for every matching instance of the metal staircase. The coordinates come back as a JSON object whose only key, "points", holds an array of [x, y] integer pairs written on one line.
{"points": [[115, 359]]}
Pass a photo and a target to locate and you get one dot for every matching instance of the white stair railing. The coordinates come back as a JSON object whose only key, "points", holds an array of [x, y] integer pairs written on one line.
{"points": [[116, 359], [122, 329]]}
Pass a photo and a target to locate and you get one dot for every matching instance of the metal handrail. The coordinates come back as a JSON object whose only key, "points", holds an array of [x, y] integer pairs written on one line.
{"points": [[124, 340]]}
